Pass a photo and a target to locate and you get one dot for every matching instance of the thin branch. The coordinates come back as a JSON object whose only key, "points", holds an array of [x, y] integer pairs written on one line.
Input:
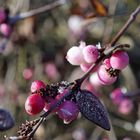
{"points": [[126, 25], [34, 12]]}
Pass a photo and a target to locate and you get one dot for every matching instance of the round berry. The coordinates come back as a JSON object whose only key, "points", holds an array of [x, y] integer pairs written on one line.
{"points": [[94, 80], [85, 66], [119, 60], [107, 63], [68, 111], [27, 73], [75, 56], [36, 85], [75, 24], [105, 77], [90, 53], [117, 95], [34, 104], [125, 106], [5, 29]]}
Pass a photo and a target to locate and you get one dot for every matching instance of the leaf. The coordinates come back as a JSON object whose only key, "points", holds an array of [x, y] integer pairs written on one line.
{"points": [[91, 108], [6, 120]]}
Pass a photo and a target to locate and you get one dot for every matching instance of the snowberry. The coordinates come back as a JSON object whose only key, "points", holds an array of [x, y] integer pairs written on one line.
{"points": [[105, 77], [119, 60], [125, 106], [5, 29], [90, 53], [94, 80], [27, 73], [107, 63], [85, 66], [34, 104], [51, 71], [75, 56], [2, 15], [117, 95], [68, 111], [75, 24], [36, 85]]}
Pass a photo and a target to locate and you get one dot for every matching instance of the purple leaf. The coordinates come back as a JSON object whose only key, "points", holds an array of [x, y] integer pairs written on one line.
{"points": [[6, 120], [91, 108]]}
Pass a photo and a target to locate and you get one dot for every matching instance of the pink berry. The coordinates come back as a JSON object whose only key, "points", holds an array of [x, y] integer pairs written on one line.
{"points": [[75, 56], [68, 111], [107, 63], [34, 104], [94, 80], [5, 29], [117, 95], [125, 106], [27, 73], [90, 53], [36, 85], [85, 66], [51, 71], [119, 60], [2, 15], [75, 25], [105, 77]]}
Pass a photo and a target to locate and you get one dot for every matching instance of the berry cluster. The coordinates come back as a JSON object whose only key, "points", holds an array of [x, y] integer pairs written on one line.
{"points": [[85, 55], [5, 27], [124, 104], [43, 97]]}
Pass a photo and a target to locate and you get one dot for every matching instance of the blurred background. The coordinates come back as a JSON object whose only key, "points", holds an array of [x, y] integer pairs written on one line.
{"points": [[36, 49]]}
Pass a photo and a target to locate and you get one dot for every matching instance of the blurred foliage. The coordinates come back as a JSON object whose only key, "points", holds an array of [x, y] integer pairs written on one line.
{"points": [[44, 39]]}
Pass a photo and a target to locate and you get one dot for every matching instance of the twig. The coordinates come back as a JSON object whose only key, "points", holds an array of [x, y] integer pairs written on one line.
{"points": [[126, 25], [40, 10], [30, 135]]}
